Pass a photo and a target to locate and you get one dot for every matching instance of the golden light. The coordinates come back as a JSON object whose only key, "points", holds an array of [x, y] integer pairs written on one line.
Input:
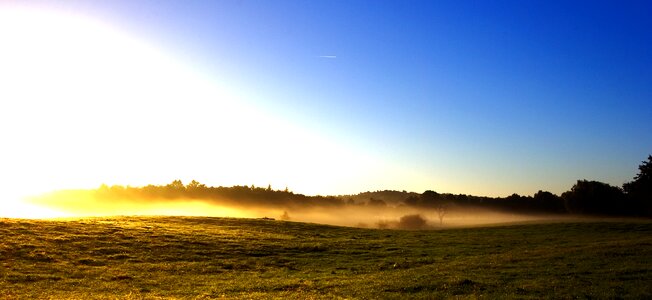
{"points": [[85, 203], [83, 104]]}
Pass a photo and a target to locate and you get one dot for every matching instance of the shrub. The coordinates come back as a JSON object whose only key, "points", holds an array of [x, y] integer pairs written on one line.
{"points": [[412, 222]]}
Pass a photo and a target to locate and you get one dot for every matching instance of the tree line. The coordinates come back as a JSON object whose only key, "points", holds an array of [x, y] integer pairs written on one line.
{"points": [[245, 196], [584, 198]]}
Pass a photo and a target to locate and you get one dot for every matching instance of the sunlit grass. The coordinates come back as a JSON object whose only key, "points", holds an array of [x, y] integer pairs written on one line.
{"points": [[193, 257]]}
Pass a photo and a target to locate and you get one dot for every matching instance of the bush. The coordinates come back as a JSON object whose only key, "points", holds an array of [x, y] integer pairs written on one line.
{"points": [[412, 222]]}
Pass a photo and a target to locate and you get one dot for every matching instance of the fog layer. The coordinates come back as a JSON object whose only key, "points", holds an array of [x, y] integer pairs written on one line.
{"points": [[369, 214]]}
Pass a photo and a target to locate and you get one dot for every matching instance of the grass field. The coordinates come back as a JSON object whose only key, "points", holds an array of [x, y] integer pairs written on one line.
{"points": [[193, 257]]}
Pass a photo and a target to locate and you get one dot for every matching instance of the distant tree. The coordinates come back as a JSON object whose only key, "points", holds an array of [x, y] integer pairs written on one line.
{"points": [[195, 189], [412, 200], [548, 202], [175, 189], [194, 184], [442, 210], [376, 202], [594, 197], [285, 216], [429, 198], [639, 191], [177, 185], [513, 202]]}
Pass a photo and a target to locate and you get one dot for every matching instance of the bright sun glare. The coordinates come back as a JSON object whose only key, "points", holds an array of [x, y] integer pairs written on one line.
{"points": [[83, 104]]}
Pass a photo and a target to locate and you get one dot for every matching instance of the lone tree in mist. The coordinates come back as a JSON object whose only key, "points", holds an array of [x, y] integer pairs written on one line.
{"points": [[285, 216], [441, 209]]}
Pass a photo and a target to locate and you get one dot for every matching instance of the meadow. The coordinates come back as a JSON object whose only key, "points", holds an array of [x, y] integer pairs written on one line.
{"points": [[201, 258]]}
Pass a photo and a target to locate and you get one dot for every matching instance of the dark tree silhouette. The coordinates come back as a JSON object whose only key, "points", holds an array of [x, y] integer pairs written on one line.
{"points": [[594, 197], [412, 200], [586, 197], [430, 198], [548, 202], [376, 202], [639, 191]]}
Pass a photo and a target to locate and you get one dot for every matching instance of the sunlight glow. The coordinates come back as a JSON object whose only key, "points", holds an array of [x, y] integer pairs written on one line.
{"points": [[30, 211], [84, 104], [82, 203], [14, 207]]}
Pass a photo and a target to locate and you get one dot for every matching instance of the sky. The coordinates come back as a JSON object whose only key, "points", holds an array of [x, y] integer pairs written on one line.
{"points": [[325, 97]]}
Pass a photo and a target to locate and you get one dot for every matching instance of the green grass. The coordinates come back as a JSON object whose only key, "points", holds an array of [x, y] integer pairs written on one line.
{"points": [[190, 257]]}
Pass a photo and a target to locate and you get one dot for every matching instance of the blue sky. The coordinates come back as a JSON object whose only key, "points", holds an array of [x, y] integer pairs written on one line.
{"points": [[478, 97]]}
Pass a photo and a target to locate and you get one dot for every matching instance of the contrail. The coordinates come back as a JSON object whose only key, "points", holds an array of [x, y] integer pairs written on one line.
{"points": [[328, 56]]}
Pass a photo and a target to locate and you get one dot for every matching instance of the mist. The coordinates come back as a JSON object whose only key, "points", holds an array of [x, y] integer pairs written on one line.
{"points": [[89, 203], [393, 217]]}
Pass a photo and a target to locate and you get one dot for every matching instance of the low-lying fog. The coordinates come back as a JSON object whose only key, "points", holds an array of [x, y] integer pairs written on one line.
{"points": [[81, 204]]}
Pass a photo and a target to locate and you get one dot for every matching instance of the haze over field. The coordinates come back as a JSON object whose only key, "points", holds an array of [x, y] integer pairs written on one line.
{"points": [[85, 204], [327, 98], [380, 209]]}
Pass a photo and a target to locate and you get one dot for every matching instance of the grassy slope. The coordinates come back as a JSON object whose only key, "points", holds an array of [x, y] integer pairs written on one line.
{"points": [[183, 257]]}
